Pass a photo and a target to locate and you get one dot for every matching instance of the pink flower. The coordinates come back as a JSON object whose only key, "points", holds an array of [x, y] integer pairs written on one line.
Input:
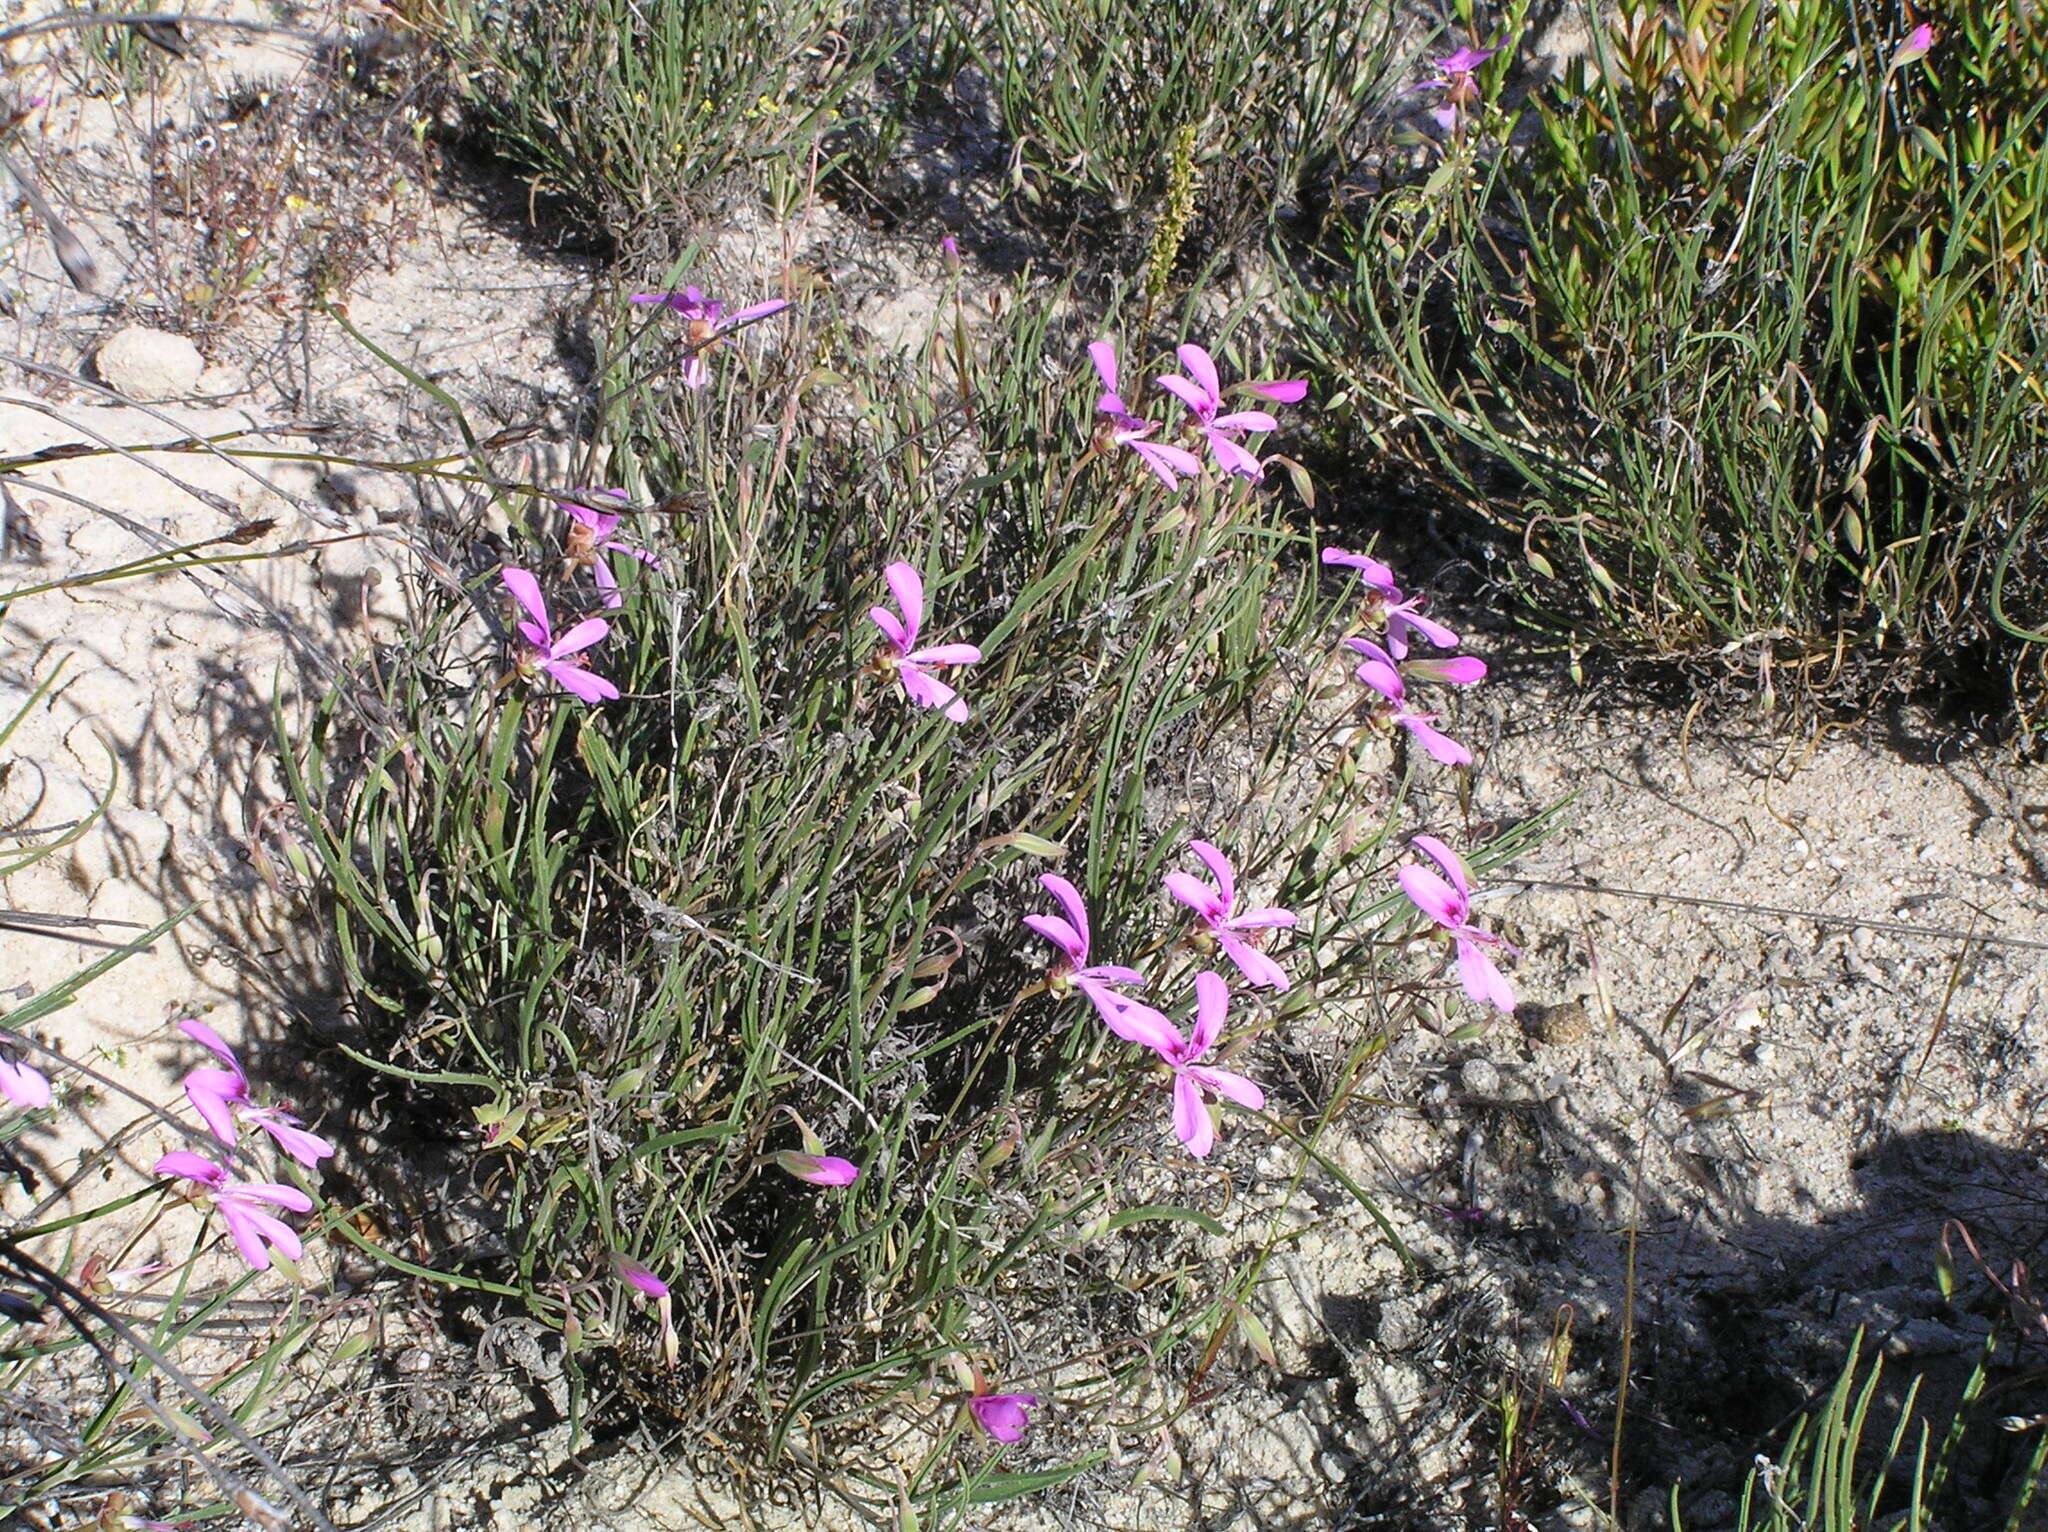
{"points": [[1455, 77], [24, 1085], [1919, 42], [1384, 676], [1194, 1081], [1449, 904], [1213, 906], [704, 322], [639, 1278], [813, 1164], [558, 657], [1202, 392], [1385, 604], [1127, 1018], [913, 666], [255, 1230], [818, 1169], [1003, 1416], [590, 538], [1171, 464], [217, 1095], [1388, 676]]}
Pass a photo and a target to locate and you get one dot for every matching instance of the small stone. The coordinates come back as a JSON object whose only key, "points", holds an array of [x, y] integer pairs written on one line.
{"points": [[1401, 1324], [1558, 1026], [1479, 1078], [150, 365]]}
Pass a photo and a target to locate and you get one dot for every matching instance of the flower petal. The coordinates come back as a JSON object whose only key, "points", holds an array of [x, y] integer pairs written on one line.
{"points": [[1263, 918], [526, 591], [1212, 1007], [1132, 1020], [925, 689], [210, 1091], [1196, 895], [1282, 391], [948, 654], [1060, 934], [1003, 1415], [1441, 746], [1188, 394], [753, 312], [1447, 859], [1434, 632], [586, 685], [1103, 354], [1070, 901], [1202, 368], [1171, 464], [1483, 981], [1229, 1084], [1245, 420], [309, 1149], [908, 587], [24, 1084], [592, 630], [1191, 1123], [1259, 971], [892, 628], [190, 1167], [1432, 895], [1218, 865], [1232, 458]]}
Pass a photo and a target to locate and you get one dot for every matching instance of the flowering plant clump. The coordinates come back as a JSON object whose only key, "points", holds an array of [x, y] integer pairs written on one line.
{"points": [[1456, 77]]}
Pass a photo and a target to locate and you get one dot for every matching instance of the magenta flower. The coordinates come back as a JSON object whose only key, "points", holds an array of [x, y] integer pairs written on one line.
{"points": [[1919, 42], [1388, 676], [704, 322], [244, 1204], [1202, 392], [1213, 906], [1171, 464], [1129, 1019], [913, 666], [819, 1169], [1449, 904], [24, 1085], [558, 657], [1003, 1416], [1193, 1081], [218, 1095], [1381, 673], [1401, 615], [590, 539], [1455, 77], [814, 1164], [639, 1278]]}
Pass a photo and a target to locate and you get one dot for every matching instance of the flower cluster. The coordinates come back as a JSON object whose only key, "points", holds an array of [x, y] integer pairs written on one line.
{"points": [[221, 1098], [1195, 1083], [593, 526], [1200, 389], [1387, 667]]}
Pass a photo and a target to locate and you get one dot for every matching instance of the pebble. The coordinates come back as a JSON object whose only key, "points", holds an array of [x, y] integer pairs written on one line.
{"points": [[1479, 1078], [150, 365], [1557, 1025]]}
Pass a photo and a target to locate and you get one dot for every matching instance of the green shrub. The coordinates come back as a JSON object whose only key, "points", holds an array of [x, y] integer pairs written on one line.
{"points": [[1096, 96], [1738, 346], [642, 117], [626, 940]]}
